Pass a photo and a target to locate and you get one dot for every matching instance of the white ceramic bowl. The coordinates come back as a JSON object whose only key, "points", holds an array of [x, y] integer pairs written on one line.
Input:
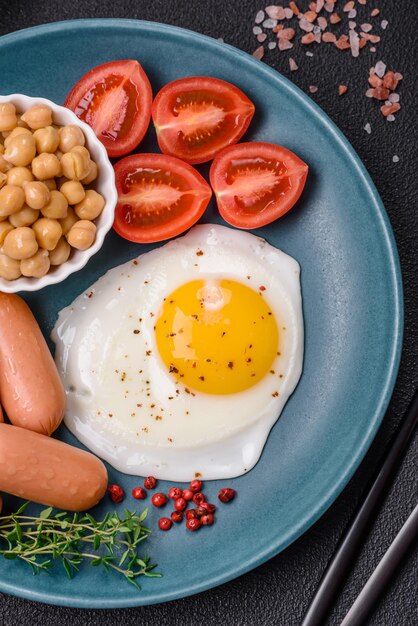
{"points": [[104, 184]]}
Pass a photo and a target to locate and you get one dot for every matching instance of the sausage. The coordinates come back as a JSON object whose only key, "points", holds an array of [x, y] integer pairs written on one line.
{"points": [[31, 391], [48, 471]]}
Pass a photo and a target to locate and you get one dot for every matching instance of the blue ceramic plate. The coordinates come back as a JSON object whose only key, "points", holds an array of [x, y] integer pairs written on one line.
{"points": [[340, 234]]}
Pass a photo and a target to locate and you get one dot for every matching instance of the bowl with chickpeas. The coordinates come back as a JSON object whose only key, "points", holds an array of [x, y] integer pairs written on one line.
{"points": [[57, 193]]}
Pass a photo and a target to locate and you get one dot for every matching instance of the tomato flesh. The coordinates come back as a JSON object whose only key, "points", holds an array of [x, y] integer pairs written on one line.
{"points": [[256, 183], [159, 197], [197, 117], [115, 100]]}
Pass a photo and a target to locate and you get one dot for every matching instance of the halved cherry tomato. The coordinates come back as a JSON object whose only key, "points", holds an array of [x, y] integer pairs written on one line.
{"points": [[115, 100], [255, 183], [197, 117], [159, 197]]}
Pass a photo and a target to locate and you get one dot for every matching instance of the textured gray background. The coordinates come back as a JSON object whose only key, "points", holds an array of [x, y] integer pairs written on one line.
{"points": [[278, 592]]}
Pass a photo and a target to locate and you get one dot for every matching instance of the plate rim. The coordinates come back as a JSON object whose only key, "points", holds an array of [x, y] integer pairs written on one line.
{"points": [[397, 293]]}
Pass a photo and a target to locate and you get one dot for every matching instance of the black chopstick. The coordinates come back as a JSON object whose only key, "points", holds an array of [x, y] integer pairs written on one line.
{"points": [[352, 539], [371, 591]]}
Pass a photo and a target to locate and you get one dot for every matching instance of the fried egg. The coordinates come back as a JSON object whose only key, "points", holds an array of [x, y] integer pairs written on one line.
{"points": [[179, 362]]}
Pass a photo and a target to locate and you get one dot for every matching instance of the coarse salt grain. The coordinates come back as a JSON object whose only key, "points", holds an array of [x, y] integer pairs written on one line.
{"points": [[390, 118], [258, 53], [380, 69], [384, 24], [342, 89], [395, 158], [293, 65], [393, 97], [275, 12], [352, 14], [284, 44], [367, 128], [313, 88], [270, 23], [259, 17], [271, 45], [375, 12], [335, 18], [322, 22], [366, 28], [257, 30], [351, 25], [288, 13], [348, 7], [309, 54], [354, 43], [329, 7], [262, 37], [372, 49]]}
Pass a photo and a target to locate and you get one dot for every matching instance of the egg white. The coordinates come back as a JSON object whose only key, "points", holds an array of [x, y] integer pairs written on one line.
{"points": [[109, 368]]}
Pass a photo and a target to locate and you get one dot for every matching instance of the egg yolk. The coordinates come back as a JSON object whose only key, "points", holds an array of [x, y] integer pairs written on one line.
{"points": [[217, 336]]}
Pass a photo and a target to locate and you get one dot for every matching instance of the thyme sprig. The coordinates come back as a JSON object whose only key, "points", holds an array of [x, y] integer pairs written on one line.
{"points": [[73, 538]]}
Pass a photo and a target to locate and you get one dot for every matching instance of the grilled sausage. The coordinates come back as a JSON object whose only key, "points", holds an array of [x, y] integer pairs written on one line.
{"points": [[31, 391], [48, 471]]}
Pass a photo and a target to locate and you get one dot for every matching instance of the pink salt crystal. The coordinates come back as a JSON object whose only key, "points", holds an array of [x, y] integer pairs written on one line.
{"points": [[271, 45], [370, 93], [352, 14], [258, 53], [284, 44], [384, 24], [366, 28], [293, 65], [393, 97], [328, 7], [286, 33], [305, 25], [380, 69], [275, 12], [259, 17], [354, 43], [375, 12], [329, 37], [348, 7], [372, 49], [261, 37], [398, 76], [270, 23], [288, 13], [322, 22], [313, 88]]}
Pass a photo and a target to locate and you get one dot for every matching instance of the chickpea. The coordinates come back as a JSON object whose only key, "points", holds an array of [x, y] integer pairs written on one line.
{"points": [[91, 206], [20, 150], [56, 207], [76, 163], [68, 221], [21, 123], [82, 235], [3, 180], [4, 165], [38, 116], [19, 176], [45, 166], [20, 243], [47, 232], [92, 175], [12, 199], [60, 253], [8, 118], [37, 265], [36, 194], [73, 191], [5, 229], [46, 139], [71, 136], [9, 268], [14, 133], [50, 183], [24, 217]]}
